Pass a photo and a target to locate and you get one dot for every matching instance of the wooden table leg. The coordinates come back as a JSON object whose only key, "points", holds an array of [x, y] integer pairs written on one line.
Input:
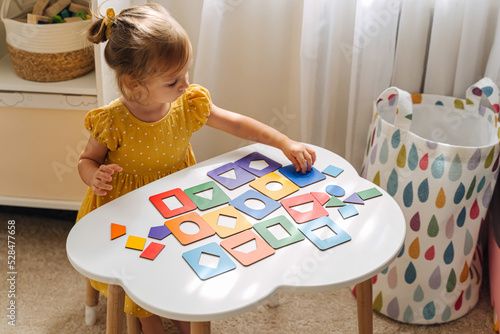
{"points": [[200, 327], [365, 312], [114, 316]]}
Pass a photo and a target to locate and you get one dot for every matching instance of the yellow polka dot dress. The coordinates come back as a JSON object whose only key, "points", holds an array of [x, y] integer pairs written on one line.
{"points": [[145, 151]]}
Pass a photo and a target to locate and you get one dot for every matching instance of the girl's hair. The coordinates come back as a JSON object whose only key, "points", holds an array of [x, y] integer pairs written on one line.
{"points": [[144, 41]]}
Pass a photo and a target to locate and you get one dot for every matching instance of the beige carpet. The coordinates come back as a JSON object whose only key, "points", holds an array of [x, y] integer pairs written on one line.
{"points": [[50, 293]]}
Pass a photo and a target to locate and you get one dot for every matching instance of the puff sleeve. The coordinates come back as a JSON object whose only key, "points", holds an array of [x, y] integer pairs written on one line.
{"points": [[99, 122], [199, 105]]}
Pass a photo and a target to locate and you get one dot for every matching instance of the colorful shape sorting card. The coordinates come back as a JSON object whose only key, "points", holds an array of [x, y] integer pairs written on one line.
{"points": [[117, 230], [334, 202], [187, 204], [261, 251], [134, 242], [294, 235], [300, 179], [322, 198], [369, 193], [354, 199], [224, 264], [246, 161], [261, 183], [301, 217], [335, 190], [152, 251], [219, 197], [204, 231], [240, 224], [269, 204], [242, 176], [332, 171], [339, 237], [348, 211], [159, 232]]}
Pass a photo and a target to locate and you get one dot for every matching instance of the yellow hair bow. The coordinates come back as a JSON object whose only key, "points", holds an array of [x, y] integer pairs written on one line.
{"points": [[108, 21]]}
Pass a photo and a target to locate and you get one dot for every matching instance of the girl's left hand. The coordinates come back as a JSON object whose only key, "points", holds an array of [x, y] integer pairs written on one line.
{"points": [[301, 156]]}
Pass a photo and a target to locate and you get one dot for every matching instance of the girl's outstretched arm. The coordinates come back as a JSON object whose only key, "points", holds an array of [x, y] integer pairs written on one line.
{"points": [[302, 156]]}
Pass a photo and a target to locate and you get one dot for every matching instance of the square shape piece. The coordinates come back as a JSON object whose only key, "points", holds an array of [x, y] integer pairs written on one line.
{"points": [[246, 161], [300, 179], [261, 251], [263, 229], [218, 195], [204, 231], [340, 236], [332, 171], [270, 204], [152, 251], [187, 204], [240, 222], [242, 176], [287, 187], [301, 217], [134, 242], [348, 211], [224, 264]]}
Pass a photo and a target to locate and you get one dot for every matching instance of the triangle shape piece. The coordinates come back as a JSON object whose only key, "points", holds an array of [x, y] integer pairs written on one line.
{"points": [[354, 199], [117, 230], [322, 198], [334, 202]]}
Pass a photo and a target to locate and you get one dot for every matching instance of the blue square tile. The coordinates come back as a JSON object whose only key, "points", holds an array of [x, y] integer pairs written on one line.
{"points": [[193, 256], [340, 235]]}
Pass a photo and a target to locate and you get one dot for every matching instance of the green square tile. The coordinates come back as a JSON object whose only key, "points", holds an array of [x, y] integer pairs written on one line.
{"points": [[219, 197], [263, 229]]}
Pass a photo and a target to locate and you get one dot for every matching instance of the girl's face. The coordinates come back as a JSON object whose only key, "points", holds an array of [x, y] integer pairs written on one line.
{"points": [[166, 88]]}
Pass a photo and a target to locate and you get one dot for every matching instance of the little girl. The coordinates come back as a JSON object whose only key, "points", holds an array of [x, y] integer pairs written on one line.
{"points": [[144, 135]]}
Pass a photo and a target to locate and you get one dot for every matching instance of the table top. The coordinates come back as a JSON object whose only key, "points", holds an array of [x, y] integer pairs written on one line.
{"points": [[169, 287]]}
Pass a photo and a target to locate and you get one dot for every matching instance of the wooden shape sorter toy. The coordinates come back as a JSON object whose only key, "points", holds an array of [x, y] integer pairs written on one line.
{"points": [[187, 204], [261, 251], [301, 179], [322, 198], [204, 231], [204, 272], [261, 184], [334, 202], [152, 251], [332, 171], [354, 199], [241, 176], [240, 203], [246, 162], [117, 230], [239, 222], [301, 217], [337, 234], [134, 242], [348, 211], [159, 232], [218, 196], [369, 193], [294, 235], [335, 190]]}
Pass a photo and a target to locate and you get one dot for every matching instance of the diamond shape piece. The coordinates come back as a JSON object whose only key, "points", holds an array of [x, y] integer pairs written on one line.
{"points": [[263, 229], [152, 251], [212, 218], [340, 235], [262, 250], [348, 211], [193, 256], [218, 195], [134, 242]]}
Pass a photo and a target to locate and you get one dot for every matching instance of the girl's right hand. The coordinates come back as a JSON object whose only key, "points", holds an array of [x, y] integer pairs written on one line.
{"points": [[99, 183]]}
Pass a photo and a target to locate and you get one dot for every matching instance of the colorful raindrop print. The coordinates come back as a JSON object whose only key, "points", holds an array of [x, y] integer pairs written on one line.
{"points": [[402, 251], [489, 158], [435, 279], [396, 139], [429, 254], [455, 169], [495, 165], [450, 227], [458, 303], [415, 222], [481, 184], [474, 160], [437, 167], [487, 196], [446, 314], [408, 315], [410, 273], [465, 273], [418, 295], [449, 253], [471, 188], [461, 217], [413, 158], [440, 199], [468, 292], [376, 179], [414, 249], [378, 302], [392, 278], [469, 242], [452, 281], [423, 191], [392, 183], [488, 90], [459, 194], [433, 228], [379, 127], [424, 162], [393, 308], [459, 104], [401, 159], [474, 211], [408, 195], [373, 156], [384, 152], [429, 311], [373, 136]]}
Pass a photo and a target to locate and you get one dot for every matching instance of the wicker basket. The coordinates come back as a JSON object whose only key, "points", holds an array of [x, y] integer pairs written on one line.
{"points": [[48, 52]]}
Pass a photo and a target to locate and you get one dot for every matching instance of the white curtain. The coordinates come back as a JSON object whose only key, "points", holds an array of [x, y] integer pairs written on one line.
{"points": [[312, 68]]}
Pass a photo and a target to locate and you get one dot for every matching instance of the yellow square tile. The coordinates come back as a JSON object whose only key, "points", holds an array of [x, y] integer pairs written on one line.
{"points": [[134, 242]]}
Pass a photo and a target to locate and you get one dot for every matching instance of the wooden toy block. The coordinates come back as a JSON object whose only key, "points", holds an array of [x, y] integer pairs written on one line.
{"points": [[224, 264], [354, 199], [38, 19], [73, 19], [302, 180], [77, 8], [269, 204], [152, 251], [294, 235], [340, 235], [57, 7], [369, 193], [261, 251], [241, 223], [335, 190], [332, 171], [64, 13], [157, 201], [261, 183], [174, 225], [334, 202], [117, 230], [348, 211], [134, 242], [246, 161], [301, 217], [322, 198], [159, 232], [39, 7], [242, 176], [218, 195]]}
